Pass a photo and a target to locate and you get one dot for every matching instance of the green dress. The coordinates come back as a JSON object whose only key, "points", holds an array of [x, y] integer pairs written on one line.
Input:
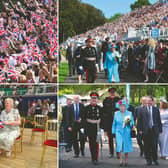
{"points": [[9, 133]]}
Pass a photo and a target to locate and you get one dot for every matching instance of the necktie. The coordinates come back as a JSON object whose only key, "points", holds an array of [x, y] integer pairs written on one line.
{"points": [[72, 51], [150, 117], [77, 112]]}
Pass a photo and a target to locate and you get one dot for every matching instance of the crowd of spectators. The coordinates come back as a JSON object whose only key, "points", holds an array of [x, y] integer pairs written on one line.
{"points": [[44, 107], [28, 41], [152, 16]]}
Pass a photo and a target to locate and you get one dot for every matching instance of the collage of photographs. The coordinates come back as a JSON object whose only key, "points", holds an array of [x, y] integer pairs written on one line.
{"points": [[28, 83], [113, 83], [83, 83]]}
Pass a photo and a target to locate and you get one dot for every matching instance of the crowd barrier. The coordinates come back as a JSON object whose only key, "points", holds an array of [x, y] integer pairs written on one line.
{"points": [[147, 33], [27, 90]]}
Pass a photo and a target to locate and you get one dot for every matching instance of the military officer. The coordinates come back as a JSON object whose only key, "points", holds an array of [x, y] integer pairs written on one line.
{"points": [[90, 60], [92, 118], [108, 115]]}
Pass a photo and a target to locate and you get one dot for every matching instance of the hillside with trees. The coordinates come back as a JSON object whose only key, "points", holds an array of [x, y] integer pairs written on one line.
{"points": [[76, 17], [139, 4]]}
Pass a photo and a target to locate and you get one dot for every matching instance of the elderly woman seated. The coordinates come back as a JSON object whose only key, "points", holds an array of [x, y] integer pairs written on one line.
{"points": [[9, 131]]}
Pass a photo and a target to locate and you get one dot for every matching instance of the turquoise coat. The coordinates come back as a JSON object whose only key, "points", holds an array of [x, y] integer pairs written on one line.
{"points": [[123, 135], [111, 65]]}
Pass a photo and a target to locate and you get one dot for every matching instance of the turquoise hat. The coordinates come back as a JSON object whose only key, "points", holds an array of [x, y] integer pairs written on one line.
{"points": [[112, 46], [122, 102]]}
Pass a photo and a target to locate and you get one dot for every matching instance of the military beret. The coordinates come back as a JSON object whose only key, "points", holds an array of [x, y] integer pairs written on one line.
{"points": [[89, 40], [112, 90], [94, 94]]}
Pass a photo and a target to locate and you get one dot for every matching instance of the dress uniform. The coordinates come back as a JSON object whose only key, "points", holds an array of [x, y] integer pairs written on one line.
{"points": [[108, 114], [92, 119], [90, 61]]}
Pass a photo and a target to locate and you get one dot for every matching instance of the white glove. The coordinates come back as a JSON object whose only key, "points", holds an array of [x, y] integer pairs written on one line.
{"points": [[97, 67], [102, 131], [81, 67], [82, 130]]}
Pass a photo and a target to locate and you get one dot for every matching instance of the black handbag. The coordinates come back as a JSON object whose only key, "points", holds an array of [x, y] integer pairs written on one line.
{"points": [[133, 133]]}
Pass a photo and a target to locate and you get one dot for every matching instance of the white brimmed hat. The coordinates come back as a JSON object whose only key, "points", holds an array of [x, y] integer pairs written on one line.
{"points": [[163, 99]]}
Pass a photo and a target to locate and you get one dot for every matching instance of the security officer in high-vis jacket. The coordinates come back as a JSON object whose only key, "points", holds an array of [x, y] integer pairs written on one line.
{"points": [[90, 58], [92, 119]]}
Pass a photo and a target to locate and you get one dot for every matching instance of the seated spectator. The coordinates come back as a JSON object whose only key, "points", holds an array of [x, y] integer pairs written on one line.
{"points": [[10, 120]]}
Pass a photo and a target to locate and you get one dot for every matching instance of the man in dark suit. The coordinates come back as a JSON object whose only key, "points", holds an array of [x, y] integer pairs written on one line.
{"points": [[70, 56], [138, 110], [76, 127], [149, 125], [67, 134]]}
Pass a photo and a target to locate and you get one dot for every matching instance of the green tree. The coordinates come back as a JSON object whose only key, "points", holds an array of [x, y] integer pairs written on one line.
{"points": [[137, 91], [115, 17], [76, 17], [139, 4]]}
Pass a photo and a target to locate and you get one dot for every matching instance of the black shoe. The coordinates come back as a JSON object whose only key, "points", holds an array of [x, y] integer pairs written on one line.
{"points": [[141, 153], [156, 163], [83, 154], [76, 156], [95, 162], [149, 163], [111, 155], [68, 150]]}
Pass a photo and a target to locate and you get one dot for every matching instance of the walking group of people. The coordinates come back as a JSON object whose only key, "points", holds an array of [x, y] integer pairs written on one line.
{"points": [[146, 56], [146, 59], [82, 122]]}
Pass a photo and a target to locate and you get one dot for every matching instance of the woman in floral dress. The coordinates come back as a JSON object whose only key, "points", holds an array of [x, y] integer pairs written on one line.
{"points": [[9, 131]]}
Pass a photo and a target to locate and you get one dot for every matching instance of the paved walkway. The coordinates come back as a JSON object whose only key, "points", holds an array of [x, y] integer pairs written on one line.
{"points": [[135, 161], [125, 77]]}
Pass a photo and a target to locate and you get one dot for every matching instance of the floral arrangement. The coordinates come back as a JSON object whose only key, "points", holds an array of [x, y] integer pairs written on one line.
{"points": [[118, 57], [127, 121]]}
